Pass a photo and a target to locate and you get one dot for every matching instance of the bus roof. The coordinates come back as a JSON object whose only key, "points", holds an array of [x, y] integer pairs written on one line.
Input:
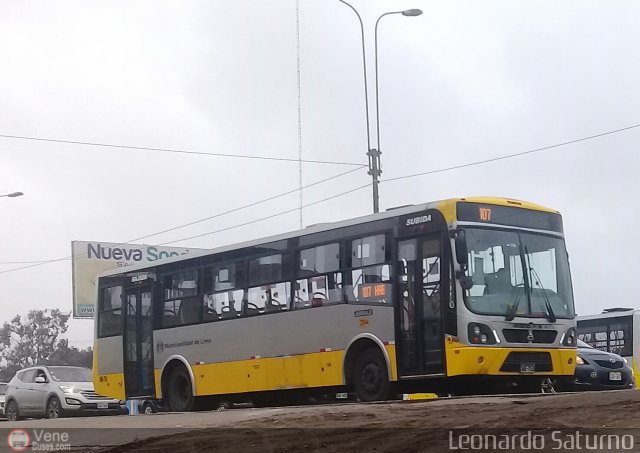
{"points": [[447, 207]]}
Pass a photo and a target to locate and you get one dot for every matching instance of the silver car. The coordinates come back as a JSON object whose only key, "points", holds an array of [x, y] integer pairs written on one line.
{"points": [[55, 391]]}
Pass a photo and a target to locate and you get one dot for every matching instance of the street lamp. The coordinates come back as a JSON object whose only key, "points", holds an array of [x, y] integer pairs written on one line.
{"points": [[374, 154], [408, 13], [12, 195]]}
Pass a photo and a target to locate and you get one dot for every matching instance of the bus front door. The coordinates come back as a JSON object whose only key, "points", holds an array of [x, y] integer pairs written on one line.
{"points": [[420, 339], [138, 344]]}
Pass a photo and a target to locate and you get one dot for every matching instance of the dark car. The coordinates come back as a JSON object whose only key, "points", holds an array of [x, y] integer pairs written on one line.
{"points": [[151, 406], [595, 370]]}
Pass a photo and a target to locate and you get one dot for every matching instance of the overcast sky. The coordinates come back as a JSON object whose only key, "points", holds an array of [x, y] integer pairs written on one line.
{"points": [[466, 81]]}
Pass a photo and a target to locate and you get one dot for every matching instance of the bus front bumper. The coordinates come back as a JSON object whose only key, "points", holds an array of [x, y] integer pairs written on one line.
{"points": [[505, 361]]}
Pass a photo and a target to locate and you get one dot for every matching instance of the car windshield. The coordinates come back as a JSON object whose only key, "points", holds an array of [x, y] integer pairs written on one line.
{"points": [[518, 274], [3, 389], [70, 374]]}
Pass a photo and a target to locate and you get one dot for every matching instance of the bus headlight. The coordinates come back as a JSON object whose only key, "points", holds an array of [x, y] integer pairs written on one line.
{"points": [[570, 337], [480, 334]]}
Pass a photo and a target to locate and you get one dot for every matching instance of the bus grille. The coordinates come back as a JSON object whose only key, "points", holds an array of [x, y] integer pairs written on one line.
{"points": [[522, 335], [515, 359]]}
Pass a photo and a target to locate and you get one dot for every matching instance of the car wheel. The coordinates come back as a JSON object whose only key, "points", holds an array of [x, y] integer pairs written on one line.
{"points": [[180, 393], [147, 409], [11, 411], [54, 408], [370, 377]]}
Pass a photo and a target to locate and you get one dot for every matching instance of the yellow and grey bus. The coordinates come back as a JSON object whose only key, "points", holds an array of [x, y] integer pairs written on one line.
{"points": [[616, 330], [416, 298]]}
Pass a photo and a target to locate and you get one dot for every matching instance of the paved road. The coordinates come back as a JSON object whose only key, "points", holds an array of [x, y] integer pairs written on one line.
{"points": [[87, 433]]}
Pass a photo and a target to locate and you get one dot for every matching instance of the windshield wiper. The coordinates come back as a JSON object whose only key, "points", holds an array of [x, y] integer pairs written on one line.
{"points": [[511, 313], [547, 302], [513, 309]]}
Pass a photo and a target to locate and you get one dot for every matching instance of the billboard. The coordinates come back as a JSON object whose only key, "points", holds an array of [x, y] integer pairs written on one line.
{"points": [[89, 259]]}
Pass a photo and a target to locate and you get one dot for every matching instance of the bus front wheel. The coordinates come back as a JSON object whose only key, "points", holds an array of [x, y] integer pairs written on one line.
{"points": [[179, 391], [370, 376]]}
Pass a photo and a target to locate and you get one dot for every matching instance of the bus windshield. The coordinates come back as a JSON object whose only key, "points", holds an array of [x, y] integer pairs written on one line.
{"points": [[518, 274]]}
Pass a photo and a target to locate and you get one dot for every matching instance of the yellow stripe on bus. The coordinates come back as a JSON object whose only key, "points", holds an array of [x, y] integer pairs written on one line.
{"points": [[319, 369], [636, 371]]}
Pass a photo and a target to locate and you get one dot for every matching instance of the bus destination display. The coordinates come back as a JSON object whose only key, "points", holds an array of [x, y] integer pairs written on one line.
{"points": [[511, 216]]}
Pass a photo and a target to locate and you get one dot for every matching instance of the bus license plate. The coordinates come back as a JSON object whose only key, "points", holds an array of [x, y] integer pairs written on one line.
{"points": [[104, 405], [527, 367], [615, 376]]}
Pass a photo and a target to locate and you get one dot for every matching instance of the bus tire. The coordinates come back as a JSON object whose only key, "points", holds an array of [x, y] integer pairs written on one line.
{"points": [[370, 376], [179, 391]]}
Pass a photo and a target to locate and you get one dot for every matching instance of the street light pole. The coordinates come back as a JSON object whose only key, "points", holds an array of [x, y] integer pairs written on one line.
{"points": [[373, 154], [374, 172], [12, 195]]}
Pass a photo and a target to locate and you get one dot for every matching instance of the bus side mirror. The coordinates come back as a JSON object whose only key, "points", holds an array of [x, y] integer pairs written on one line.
{"points": [[461, 249]]}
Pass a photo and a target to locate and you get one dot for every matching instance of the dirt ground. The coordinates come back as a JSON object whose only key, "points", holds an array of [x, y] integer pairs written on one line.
{"points": [[422, 426]]}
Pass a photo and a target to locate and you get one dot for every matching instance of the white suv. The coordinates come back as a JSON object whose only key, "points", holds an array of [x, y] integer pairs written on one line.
{"points": [[54, 391]]}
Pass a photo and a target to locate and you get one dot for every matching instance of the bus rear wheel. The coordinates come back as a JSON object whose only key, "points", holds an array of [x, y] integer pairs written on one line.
{"points": [[370, 376], [179, 391]]}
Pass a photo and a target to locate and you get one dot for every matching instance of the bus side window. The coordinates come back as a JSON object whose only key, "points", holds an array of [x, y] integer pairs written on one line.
{"points": [[269, 284], [268, 298], [223, 298], [227, 304], [323, 285], [230, 309], [369, 279], [177, 312], [181, 284], [209, 312], [370, 284], [189, 311], [110, 311], [301, 296]]}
